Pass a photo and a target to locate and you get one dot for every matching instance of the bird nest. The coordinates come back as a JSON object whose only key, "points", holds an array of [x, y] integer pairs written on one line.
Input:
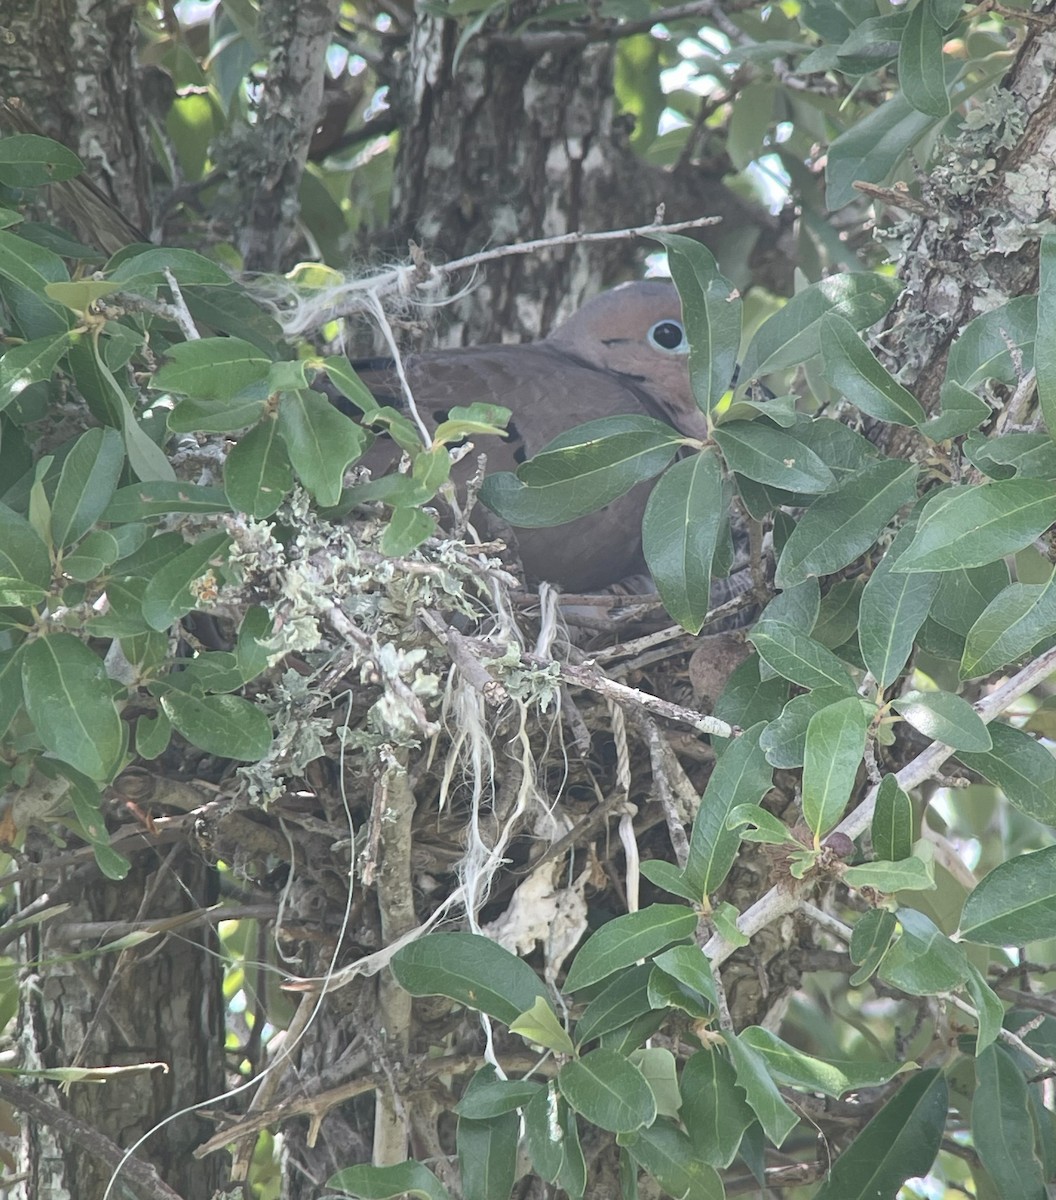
{"points": [[452, 747]]}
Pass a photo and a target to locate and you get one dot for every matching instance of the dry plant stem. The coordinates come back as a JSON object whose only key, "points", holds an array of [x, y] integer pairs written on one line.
{"points": [[365, 295], [347, 629], [573, 239], [393, 794], [587, 677], [664, 765], [781, 900], [138, 1177], [416, 1077], [269, 1085], [1045, 1065], [182, 312], [466, 659]]}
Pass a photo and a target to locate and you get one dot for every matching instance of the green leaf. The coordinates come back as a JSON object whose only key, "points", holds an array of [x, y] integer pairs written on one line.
{"points": [[923, 962], [793, 334], [220, 416], [1029, 455], [712, 314], [944, 717], [714, 1110], [1013, 623], [29, 160], [470, 421], [146, 271], [1045, 354], [257, 473], [832, 1077], [171, 592], [159, 497], [552, 1141], [741, 776], [689, 965], [680, 531], [962, 412], [775, 1116], [471, 970], [668, 877], [901, 1141], [88, 480], [68, 699], [964, 595], [671, 1158], [1014, 904], [833, 754], [321, 442], [988, 1006], [494, 1097], [920, 64], [622, 1000], [622, 941], [724, 918], [911, 874], [10, 685], [755, 824], [1002, 1126], [998, 344], [406, 530], [893, 609], [784, 740], [892, 826], [25, 565], [153, 735], [226, 726], [798, 658], [770, 456], [1022, 768], [145, 457], [30, 363], [839, 527], [870, 941], [94, 554], [582, 471], [540, 1026], [657, 1065], [608, 1090], [85, 799], [871, 148], [487, 1149], [667, 993], [872, 44], [384, 1183], [212, 368], [969, 526], [852, 369]]}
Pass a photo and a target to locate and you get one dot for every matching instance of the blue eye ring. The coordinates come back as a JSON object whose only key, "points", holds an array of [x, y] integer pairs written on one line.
{"points": [[668, 336]]}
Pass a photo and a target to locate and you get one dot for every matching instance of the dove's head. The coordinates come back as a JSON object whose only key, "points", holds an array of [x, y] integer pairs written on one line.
{"points": [[636, 331]]}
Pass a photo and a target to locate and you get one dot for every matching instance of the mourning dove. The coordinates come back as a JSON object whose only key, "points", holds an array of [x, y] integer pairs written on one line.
{"points": [[623, 352]]}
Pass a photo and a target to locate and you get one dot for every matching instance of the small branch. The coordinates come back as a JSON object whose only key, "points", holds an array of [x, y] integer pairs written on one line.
{"points": [[365, 294], [595, 681], [139, 1176], [1046, 1066], [572, 239], [779, 901]]}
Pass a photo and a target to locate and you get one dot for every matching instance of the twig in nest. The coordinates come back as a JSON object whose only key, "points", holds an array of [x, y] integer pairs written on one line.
{"points": [[588, 677]]}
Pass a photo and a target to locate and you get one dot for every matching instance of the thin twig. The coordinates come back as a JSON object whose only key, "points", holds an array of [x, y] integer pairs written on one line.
{"points": [[140, 1177], [779, 901], [587, 677]]}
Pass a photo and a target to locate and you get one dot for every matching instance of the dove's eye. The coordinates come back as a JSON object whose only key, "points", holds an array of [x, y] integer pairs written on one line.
{"points": [[669, 336]]}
